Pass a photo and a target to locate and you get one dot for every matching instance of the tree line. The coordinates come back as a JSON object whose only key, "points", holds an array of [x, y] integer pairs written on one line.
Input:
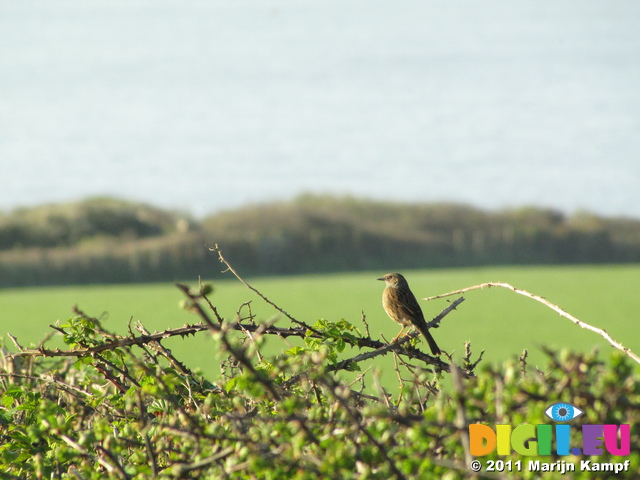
{"points": [[106, 240]]}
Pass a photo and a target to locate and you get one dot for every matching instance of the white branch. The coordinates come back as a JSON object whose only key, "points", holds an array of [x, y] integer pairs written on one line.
{"points": [[556, 308]]}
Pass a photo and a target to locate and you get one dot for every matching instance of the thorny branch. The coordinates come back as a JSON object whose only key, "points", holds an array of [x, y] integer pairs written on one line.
{"points": [[378, 347], [238, 353], [552, 306], [397, 347], [386, 348], [257, 292]]}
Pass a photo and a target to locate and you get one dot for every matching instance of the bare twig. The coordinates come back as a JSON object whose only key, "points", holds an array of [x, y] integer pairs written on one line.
{"points": [[523, 362], [438, 318], [396, 368], [179, 470], [165, 352], [184, 331], [396, 347], [553, 307], [198, 309], [238, 353], [470, 365], [382, 348], [119, 343], [254, 290], [366, 325], [15, 342], [110, 468]]}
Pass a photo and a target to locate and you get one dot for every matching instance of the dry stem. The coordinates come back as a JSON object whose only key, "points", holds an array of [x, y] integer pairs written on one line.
{"points": [[553, 307]]}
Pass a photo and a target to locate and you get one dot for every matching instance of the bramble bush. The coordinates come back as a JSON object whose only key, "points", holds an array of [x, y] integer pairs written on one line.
{"points": [[124, 407]]}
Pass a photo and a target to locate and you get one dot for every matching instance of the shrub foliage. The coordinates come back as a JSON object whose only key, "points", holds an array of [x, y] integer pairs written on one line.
{"points": [[123, 407]]}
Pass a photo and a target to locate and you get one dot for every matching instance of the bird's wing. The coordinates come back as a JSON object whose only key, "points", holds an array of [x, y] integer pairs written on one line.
{"points": [[410, 308]]}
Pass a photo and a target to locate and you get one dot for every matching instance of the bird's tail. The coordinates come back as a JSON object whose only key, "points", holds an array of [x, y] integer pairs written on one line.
{"points": [[430, 340]]}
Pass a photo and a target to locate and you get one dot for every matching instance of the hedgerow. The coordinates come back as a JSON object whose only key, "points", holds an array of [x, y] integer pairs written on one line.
{"points": [[104, 240], [122, 406]]}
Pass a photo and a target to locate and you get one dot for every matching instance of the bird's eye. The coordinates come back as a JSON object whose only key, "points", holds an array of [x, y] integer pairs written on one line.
{"points": [[563, 412]]}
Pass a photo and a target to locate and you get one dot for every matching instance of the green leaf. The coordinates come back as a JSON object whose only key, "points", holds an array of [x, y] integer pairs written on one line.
{"points": [[231, 384], [296, 350]]}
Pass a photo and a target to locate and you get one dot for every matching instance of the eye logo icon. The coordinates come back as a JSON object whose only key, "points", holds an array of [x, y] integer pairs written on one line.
{"points": [[563, 412]]}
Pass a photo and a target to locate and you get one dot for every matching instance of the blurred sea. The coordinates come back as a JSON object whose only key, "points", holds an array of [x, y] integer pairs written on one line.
{"points": [[204, 105]]}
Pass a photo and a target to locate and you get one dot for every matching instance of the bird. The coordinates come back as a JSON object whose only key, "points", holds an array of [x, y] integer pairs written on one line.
{"points": [[403, 308]]}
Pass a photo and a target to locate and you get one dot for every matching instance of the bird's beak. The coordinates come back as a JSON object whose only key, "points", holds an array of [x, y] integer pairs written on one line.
{"points": [[381, 278]]}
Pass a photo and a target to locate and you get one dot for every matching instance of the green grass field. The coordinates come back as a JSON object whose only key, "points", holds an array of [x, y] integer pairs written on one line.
{"points": [[496, 320]]}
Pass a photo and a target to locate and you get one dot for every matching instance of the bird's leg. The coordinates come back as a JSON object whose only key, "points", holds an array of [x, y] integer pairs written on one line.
{"points": [[398, 335]]}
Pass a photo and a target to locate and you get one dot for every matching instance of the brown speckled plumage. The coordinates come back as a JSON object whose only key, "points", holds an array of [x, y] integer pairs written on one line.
{"points": [[403, 308]]}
